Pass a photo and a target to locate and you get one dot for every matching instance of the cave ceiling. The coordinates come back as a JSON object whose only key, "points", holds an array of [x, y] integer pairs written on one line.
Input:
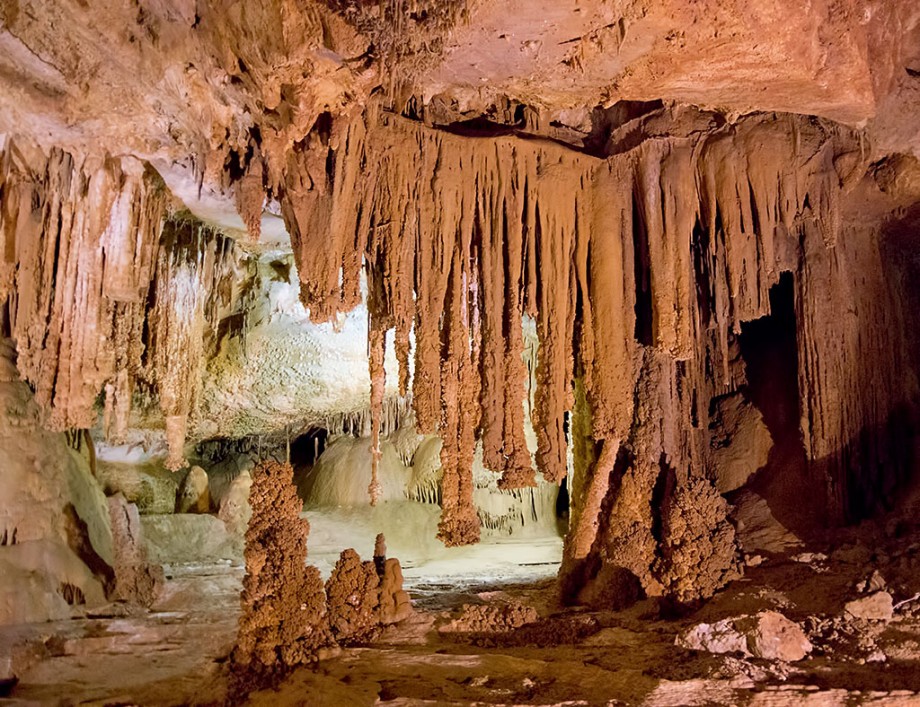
{"points": [[186, 85]]}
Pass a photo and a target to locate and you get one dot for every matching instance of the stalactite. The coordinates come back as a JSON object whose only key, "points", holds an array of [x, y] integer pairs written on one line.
{"points": [[358, 422], [376, 356], [319, 209], [79, 239], [555, 232], [503, 372], [638, 271], [460, 415], [192, 264], [249, 193]]}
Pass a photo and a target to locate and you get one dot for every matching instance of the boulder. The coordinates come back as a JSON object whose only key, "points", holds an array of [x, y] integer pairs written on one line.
{"points": [[137, 579], [148, 486], [875, 607], [235, 510], [772, 636], [740, 442], [222, 474], [757, 529], [194, 493], [768, 635], [719, 637]]}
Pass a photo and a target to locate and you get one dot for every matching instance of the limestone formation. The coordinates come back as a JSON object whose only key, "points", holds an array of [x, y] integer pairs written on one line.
{"points": [[195, 538], [283, 621], [491, 618], [353, 598], [768, 635], [56, 538], [137, 579], [740, 442], [623, 287], [878, 606], [194, 494], [363, 597], [395, 604], [235, 507]]}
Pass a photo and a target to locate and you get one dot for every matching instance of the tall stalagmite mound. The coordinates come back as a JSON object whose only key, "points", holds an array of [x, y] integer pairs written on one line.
{"points": [[283, 621]]}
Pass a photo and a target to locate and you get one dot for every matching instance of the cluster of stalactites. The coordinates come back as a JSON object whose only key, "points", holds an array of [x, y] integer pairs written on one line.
{"points": [[666, 245], [85, 249], [184, 316], [78, 246]]}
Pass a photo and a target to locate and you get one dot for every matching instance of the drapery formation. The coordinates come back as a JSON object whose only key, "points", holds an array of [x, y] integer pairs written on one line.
{"points": [[639, 270], [99, 297], [78, 247]]}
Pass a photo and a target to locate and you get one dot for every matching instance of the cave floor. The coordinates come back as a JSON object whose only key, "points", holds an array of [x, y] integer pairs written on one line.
{"points": [[175, 654]]}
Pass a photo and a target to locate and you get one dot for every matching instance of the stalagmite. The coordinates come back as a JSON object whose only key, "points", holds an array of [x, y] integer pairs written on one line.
{"points": [[283, 619]]}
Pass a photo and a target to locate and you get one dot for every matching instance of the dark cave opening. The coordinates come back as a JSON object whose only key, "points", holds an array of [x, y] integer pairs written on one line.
{"points": [[768, 347], [562, 502], [307, 447], [770, 354]]}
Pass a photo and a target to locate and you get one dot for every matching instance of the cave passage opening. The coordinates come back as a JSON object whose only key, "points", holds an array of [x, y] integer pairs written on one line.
{"points": [[769, 350], [306, 448]]}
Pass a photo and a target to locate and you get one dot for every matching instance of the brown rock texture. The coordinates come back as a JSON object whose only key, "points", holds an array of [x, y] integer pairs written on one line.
{"points": [[283, 621], [395, 604], [740, 442], [491, 618], [875, 607], [363, 597], [352, 598], [137, 579], [767, 634], [92, 271]]}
